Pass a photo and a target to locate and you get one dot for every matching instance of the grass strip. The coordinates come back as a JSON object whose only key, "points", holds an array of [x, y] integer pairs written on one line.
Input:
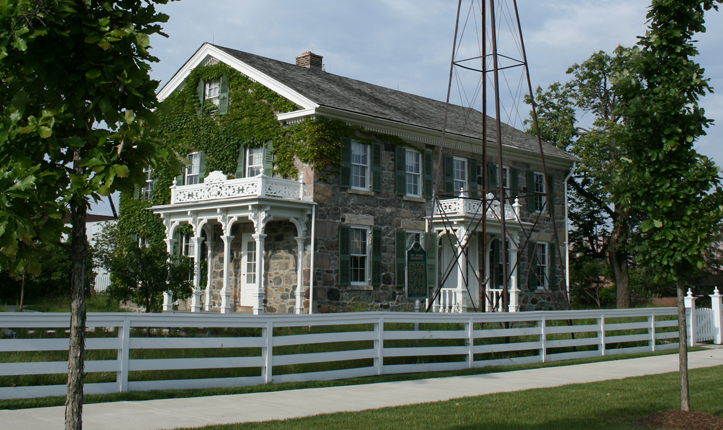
{"points": [[607, 405], [172, 394]]}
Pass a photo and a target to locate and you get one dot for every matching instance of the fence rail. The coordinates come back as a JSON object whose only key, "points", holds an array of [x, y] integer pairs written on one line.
{"points": [[129, 352]]}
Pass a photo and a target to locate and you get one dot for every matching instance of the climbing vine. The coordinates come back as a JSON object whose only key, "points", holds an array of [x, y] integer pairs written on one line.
{"points": [[250, 121]]}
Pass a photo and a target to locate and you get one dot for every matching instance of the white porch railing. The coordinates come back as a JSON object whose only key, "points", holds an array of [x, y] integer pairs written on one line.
{"points": [[217, 186], [473, 208], [213, 350]]}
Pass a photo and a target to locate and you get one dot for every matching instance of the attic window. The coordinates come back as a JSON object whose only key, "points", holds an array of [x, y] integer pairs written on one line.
{"points": [[212, 91]]}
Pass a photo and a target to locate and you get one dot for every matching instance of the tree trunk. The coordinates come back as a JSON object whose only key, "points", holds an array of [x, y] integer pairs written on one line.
{"points": [[683, 349], [618, 258], [76, 355], [22, 291]]}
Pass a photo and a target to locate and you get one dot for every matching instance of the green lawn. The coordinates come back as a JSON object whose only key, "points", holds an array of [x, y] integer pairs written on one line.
{"points": [[602, 405]]}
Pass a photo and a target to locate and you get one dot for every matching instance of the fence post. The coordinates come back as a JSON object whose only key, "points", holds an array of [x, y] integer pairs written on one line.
{"points": [[716, 300], [268, 351], [124, 337], [652, 331], [470, 342], [602, 334], [690, 320], [379, 346], [543, 340]]}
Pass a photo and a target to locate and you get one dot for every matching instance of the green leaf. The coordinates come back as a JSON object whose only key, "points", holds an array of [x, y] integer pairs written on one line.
{"points": [[129, 116], [92, 74], [44, 132], [657, 223]]}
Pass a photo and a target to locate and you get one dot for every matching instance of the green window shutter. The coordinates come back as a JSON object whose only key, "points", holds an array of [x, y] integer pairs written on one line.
{"points": [[377, 167], [495, 278], [532, 257], [345, 173], [530, 191], [552, 269], [241, 163], [223, 96], [400, 170], [376, 256], [472, 176], [431, 240], [136, 192], [448, 174], [201, 166], [428, 186], [514, 182], [344, 255], [492, 176], [201, 90], [551, 194], [180, 178], [400, 256], [268, 158]]}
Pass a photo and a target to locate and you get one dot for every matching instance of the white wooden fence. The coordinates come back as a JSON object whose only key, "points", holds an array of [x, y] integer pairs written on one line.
{"points": [[192, 351]]}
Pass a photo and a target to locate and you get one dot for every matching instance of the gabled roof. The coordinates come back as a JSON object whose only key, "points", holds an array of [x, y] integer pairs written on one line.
{"points": [[339, 93]]}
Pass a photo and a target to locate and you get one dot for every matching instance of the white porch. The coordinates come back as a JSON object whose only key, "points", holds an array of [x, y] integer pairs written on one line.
{"points": [[457, 228], [215, 206]]}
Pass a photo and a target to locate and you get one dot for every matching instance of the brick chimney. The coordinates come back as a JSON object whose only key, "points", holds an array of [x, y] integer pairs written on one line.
{"points": [[310, 60]]}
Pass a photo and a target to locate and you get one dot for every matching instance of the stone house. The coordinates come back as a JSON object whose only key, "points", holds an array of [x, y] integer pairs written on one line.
{"points": [[336, 239]]}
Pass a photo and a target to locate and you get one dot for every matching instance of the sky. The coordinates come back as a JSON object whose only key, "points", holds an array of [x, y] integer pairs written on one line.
{"points": [[407, 44]]}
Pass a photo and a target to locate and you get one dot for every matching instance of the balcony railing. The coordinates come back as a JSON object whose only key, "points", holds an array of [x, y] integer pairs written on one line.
{"points": [[473, 208], [217, 186]]}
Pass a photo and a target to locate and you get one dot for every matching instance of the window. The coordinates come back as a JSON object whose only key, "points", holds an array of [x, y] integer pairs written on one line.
{"points": [[460, 175], [359, 255], [213, 89], [254, 161], [499, 272], [191, 174], [187, 247], [359, 165], [251, 262], [541, 270], [492, 176], [414, 173], [539, 191], [412, 237], [147, 189]]}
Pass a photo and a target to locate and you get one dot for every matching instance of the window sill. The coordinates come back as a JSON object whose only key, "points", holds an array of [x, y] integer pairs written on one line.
{"points": [[414, 199], [361, 287], [360, 192]]}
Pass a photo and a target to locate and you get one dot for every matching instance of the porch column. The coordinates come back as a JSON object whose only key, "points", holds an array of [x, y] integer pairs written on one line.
{"points": [[462, 266], [258, 295], [514, 304], [489, 295], [226, 290], [196, 298], [299, 306], [716, 302], [209, 263], [168, 295]]}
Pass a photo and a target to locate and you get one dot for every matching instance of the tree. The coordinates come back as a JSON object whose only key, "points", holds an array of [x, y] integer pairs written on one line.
{"points": [[601, 228], [77, 110], [142, 273], [677, 191]]}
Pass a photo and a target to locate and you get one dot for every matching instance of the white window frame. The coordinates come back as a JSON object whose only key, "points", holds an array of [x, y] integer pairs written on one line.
{"points": [[410, 165], [364, 167], [190, 174], [460, 185], [147, 190], [253, 170], [366, 254], [505, 175], [212, 91], [187, 246], [539, 191], [541, 250]]}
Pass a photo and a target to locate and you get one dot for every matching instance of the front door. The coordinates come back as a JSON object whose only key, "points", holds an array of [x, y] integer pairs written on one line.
{"points": [[248, 269]]}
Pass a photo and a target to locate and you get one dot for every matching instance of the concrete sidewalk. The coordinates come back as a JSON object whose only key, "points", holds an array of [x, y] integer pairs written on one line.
{"points": [[203, 411]]}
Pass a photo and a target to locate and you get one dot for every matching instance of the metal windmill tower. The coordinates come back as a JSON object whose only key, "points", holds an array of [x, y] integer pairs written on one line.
{"points": [[488, 59]]}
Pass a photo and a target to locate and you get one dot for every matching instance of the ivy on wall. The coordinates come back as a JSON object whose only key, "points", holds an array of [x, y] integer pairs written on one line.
{"points": [[250, 121]]}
